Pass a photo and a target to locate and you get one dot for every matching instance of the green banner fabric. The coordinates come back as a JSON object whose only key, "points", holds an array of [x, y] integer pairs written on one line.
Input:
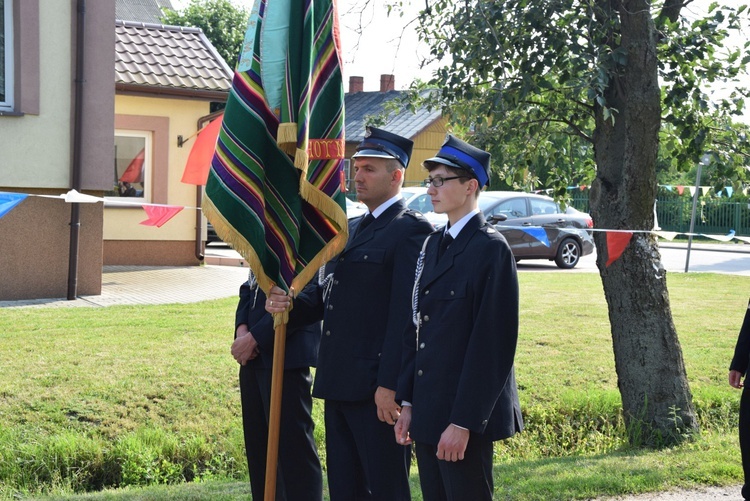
{"points": [[275, 188]]}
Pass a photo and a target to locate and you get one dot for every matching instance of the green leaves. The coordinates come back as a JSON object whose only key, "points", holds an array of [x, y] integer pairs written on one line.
{"points": [[538, 72]]}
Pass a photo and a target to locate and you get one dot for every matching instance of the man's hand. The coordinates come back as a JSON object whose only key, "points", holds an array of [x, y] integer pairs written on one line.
{"points": [[278, 300], [388, 409], [245, 347], [735, 379], [402, 426], [453, 443]]}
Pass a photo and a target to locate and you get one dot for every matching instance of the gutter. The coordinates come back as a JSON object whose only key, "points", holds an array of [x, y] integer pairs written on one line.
{"points": [[75, 211]]}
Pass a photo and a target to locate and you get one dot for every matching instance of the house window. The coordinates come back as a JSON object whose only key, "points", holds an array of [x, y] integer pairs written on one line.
{"points": [[348, 178], [132, 166], [6, 55]]}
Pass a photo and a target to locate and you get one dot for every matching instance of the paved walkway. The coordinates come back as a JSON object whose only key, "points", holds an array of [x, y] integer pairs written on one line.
{"points": [[153, 285]]}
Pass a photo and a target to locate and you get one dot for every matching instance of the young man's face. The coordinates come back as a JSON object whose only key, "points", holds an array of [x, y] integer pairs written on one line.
{"points": [[373, 182], [453, 195]]}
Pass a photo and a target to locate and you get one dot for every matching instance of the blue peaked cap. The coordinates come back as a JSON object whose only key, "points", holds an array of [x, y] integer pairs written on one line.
{"points": [[379, 143], [461, 155]]}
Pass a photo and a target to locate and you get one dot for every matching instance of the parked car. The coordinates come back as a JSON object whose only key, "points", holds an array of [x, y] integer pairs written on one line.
{"points": [[564, 246], [354, 209], [524, 209], [417, 199]]}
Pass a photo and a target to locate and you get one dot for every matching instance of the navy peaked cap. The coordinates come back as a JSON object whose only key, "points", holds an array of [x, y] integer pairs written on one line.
{"points": [[461, 155], [379, 143]]}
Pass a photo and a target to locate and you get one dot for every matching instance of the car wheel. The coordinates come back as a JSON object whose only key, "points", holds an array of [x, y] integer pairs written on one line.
{"points": [[568, 254]]}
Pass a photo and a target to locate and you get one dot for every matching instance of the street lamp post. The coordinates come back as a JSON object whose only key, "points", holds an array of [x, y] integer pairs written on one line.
{"points": [[705, 159]]}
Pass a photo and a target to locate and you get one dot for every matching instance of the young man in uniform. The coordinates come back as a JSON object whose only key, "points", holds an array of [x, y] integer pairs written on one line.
{"points": [[457, 384], [364, 307]]}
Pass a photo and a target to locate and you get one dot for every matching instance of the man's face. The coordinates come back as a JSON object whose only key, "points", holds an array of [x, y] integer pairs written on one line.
{"points": [[452, 195], [373, 182]]}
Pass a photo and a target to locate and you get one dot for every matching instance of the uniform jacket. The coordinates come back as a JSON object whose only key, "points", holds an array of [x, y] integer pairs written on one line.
{"points": [[301, 342], [366, 307], [741, 357], [460, 369]]}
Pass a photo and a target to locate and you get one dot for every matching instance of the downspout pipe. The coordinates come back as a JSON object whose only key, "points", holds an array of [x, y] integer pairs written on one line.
{"points": [[199, 249], [75, 210]]}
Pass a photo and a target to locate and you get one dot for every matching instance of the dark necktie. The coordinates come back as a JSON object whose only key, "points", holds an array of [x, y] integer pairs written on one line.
{"points": [[369, 218], [445, 242]]}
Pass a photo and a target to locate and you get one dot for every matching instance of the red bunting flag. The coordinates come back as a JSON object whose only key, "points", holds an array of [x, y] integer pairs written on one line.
{"points": [[134, 172], [680, 189], [616, 243], [199, 160], [158, 215]]}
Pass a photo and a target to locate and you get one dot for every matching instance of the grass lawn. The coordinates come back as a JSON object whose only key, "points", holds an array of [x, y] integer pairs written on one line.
{"points": [[147, 397]]}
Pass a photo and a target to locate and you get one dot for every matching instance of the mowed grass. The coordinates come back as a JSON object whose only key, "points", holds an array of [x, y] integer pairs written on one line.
{"points": [[94, 398]]}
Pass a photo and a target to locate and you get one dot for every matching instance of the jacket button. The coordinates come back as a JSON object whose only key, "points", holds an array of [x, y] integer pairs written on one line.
{"points": [[426, 318], [335, 282], [419, 372], [330, 306], [421, 346], [484, 422], [366, 256], [328, 333], [426, 292], [453, 293]]}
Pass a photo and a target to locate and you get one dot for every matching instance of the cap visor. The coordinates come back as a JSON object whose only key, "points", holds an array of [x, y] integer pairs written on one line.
{"points": [[438, 160], [373, 153]]}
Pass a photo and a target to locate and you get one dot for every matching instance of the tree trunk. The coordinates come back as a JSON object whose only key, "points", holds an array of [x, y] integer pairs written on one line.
{"points": [[656, 398]]}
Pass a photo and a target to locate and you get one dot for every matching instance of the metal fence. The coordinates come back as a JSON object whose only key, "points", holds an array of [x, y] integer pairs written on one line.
{"points": [[712, 216]]}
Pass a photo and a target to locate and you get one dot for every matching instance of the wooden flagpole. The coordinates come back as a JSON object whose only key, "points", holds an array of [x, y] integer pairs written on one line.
{"points": [[274, 418]]}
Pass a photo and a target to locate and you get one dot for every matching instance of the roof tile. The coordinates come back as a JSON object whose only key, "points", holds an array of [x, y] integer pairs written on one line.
{"points": [[168, 56]]}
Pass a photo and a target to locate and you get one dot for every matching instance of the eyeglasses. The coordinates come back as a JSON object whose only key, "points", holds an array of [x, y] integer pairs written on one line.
{"points": [[437, 182]]}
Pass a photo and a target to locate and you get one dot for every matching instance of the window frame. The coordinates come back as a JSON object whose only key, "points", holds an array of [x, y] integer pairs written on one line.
{"points": [[148, 166]]}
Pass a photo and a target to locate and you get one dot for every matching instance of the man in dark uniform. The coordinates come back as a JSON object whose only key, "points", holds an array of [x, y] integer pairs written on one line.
{"points": [[737, 370], [299, 476], [457, 384], [364, 308]]}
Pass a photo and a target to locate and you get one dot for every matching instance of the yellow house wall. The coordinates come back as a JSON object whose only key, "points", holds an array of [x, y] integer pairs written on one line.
{"points": [[182, 114], [426, 144]]}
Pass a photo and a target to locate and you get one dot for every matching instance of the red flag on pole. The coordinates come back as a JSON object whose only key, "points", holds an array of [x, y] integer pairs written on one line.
{"points": [[199, 160]]}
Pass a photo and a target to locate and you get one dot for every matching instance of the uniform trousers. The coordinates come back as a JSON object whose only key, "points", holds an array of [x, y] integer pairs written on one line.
{"points": [[364, 460], [469, 478], [299, 475]]}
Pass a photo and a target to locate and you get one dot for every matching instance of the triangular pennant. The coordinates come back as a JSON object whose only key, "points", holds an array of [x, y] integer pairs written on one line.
{"points": [[704, 190], [692, 191], [666, 235], [74, 196], [10, 200], [729, 190], [616, 243], [538, 233], [680, 189], [199, 160], [158, 215], [721, 238]]}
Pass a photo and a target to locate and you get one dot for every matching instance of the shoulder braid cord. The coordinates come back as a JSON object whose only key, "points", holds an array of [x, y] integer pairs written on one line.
{"points": [[415, 291]]}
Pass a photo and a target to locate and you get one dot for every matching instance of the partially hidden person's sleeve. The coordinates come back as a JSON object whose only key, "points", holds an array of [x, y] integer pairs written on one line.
{"points": [[742, 348]]}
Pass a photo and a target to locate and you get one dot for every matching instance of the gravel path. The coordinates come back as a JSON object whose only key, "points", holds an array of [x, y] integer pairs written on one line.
{"points": [[727, 493]]}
